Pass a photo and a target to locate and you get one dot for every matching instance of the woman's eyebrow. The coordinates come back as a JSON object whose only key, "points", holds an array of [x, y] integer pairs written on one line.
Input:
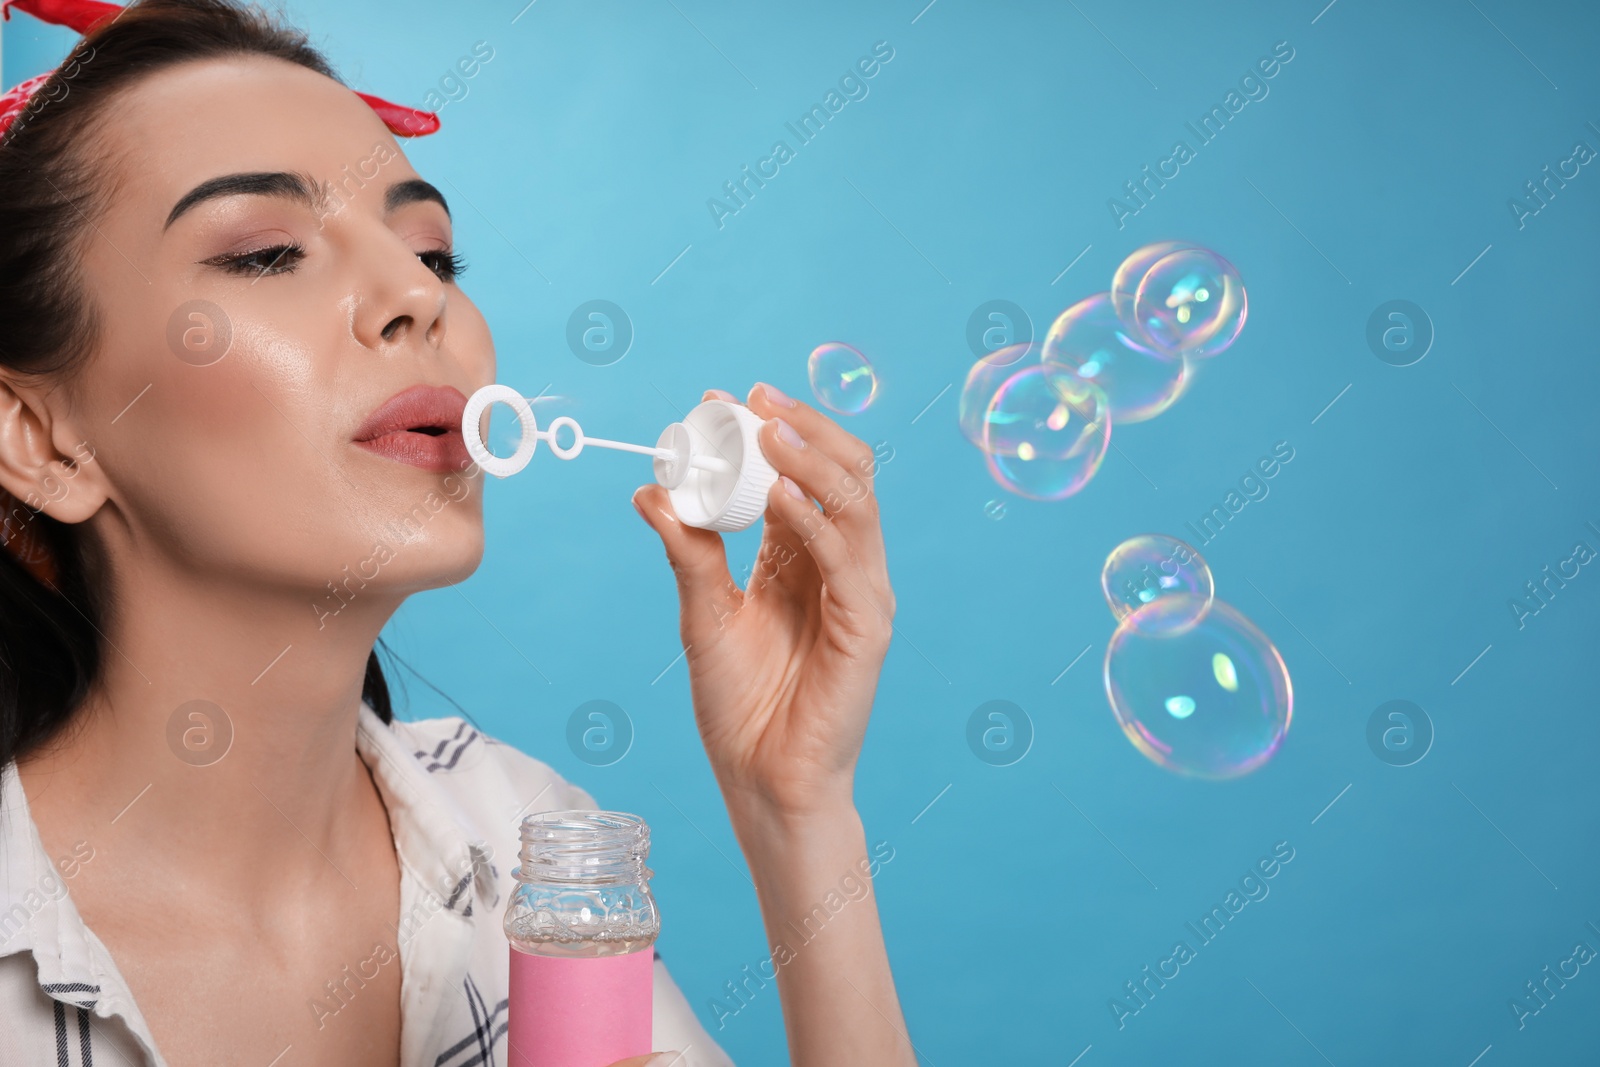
{"points": [[295, 187], [274, 183], [412, 191]]}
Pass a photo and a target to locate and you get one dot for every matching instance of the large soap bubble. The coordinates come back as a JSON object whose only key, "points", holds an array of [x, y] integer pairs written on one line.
{"points": [[1089, 339], [1213, 700], [1045, 433], [984, 379], [1130, 272], [1191, 301]]}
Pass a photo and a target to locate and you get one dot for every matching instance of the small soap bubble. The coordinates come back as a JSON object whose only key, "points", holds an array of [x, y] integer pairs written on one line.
{"points": [[995, 509], [1045, 433], [1089, 339], [1125, 282], [984, 379], [842, 378], [1212, 701], [1191, 301], [1162, 580]]}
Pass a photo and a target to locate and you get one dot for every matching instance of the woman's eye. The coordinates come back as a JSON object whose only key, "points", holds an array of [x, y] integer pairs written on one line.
{"points": [[446, 264], [282, 259], [278, 259]]}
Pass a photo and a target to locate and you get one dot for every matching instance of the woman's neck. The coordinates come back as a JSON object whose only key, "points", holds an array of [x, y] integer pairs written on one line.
{"points": [[220, 734]]}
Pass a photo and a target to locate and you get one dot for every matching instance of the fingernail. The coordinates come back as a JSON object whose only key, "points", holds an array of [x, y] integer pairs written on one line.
{"points": [[791, 488], [788, 436], [635, 501], [777, 395], [722, 394]]}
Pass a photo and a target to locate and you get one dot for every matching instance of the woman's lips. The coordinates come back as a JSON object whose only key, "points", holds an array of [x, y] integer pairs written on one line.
{"points": [[420, 426], [441, 453]]}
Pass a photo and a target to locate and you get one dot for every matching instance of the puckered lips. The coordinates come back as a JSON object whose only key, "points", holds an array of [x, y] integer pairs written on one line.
{"points": [[420, 426]]}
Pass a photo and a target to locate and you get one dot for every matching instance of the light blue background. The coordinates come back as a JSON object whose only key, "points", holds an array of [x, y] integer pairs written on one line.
{"points": [[579, 165]]}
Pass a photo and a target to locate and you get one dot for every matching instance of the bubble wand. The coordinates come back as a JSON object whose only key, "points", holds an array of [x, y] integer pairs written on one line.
{"points": [[711, 463]]}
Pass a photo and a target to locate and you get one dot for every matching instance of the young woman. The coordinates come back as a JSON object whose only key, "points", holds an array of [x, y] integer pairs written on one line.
{"points": [[230, 379]]}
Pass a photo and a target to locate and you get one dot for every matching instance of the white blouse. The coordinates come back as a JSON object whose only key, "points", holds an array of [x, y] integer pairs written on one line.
{"points": [[455, 797]]}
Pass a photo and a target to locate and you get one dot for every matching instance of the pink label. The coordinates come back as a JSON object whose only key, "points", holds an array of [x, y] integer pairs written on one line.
{"points": [[579, 1012]]}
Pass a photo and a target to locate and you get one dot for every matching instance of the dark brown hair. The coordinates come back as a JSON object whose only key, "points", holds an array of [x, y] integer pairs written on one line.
{"points": [[52, 188]]}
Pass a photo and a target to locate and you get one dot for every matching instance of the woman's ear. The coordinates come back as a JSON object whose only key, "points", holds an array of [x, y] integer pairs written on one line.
{"points": [[44, 461]]}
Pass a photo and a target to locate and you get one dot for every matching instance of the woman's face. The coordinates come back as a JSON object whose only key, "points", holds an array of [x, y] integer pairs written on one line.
{"points": [[321, 279]]}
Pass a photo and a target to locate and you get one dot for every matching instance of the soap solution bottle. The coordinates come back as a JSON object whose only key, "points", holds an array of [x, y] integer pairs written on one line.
{"points": [[582, 925]]}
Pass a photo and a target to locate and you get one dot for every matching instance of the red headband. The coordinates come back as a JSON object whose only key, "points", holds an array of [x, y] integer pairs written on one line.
{"points": [[18, 534], [85, 15]]}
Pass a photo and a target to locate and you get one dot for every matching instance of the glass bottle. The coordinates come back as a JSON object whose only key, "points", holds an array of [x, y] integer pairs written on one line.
{"points": [[582, 925]]}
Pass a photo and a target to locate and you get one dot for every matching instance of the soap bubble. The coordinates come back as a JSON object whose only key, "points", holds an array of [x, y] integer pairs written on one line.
{"points": [[1213, 700], [842, 378], [1191, 301], [1162, 580], [1131, 271], [1089, 339], [984, 379], [1045, 433]]}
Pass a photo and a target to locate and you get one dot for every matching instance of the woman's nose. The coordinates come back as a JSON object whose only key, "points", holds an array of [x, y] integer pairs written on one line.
{"points": [[405, 301]]}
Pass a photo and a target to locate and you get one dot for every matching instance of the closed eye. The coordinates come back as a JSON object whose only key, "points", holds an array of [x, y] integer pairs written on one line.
{"points": [[446, 264], [283, 258], [275, 259]]}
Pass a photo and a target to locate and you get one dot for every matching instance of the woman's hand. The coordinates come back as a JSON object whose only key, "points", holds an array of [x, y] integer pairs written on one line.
{"points": [[783, 673]]}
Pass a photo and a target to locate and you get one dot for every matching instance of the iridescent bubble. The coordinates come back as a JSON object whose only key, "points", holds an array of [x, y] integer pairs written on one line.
{"points": [[1131, 271], [1159, 573], [842, 378], [1191, 301], [1089, 339], [984, 379], [1045, 433], [1213, 700]]}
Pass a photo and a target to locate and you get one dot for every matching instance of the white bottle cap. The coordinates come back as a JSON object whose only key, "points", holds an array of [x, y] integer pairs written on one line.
{"points": [[720, 480], [710, 463]]}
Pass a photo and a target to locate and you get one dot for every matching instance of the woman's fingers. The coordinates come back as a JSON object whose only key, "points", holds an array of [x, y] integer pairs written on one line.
{"points": [[845, 495], [832, 466], [698, 559], [841, 570], [831, 439]]}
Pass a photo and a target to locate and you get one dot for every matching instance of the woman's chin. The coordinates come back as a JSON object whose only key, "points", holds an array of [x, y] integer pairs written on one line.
{"points": [[441, 556], [453, 563]]}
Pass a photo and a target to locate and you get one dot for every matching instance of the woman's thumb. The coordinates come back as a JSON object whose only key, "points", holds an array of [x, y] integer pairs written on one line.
{"points": [[697, 556]]}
